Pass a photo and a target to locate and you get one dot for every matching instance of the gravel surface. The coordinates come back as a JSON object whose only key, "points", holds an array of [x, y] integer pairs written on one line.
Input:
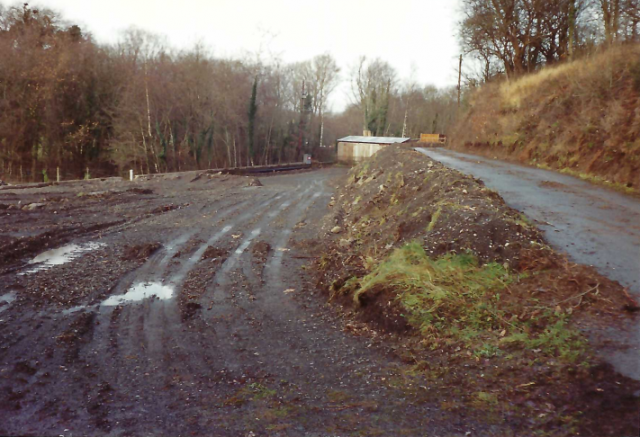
{"points": [[193, 316]]}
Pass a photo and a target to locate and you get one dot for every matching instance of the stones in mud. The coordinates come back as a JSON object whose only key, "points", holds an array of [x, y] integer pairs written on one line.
{"points": [[336, 230], [255, 182], [345, 243], [33, 206]]}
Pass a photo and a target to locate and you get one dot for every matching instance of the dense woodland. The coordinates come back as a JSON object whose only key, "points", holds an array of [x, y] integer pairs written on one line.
{"points": [[97, 110], [509, 38]]}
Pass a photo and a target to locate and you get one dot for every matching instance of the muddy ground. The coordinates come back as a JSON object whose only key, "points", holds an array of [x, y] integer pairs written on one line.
{"points": [[547, 379], [187, 308], [243, 347]]}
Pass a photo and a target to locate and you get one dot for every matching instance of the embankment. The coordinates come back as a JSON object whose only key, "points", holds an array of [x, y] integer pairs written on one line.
{"points": [[474, 295], [580, 117]]}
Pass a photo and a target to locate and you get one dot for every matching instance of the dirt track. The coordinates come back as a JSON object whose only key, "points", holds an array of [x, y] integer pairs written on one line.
{"points": [[242, 347], [594, 225]]}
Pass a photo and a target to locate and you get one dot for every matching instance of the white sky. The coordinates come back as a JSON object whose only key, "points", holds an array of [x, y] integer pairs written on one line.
{"points": [[412, 35]]}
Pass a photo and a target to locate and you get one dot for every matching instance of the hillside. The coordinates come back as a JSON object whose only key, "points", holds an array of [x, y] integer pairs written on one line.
{"points": [[580, 117]]}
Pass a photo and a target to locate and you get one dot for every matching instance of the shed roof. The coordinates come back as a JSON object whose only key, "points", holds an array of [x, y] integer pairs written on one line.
{"points": [[374, 140]]}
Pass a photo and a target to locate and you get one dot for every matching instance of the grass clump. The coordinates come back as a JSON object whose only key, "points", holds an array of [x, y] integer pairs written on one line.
{"points": [[453, 300], [434, 219]]}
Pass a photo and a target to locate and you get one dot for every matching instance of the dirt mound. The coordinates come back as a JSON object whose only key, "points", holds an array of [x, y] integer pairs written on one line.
{"points": [[140, 251], [401, 195], [415, 248], [255, 182], [167, 208], [261, 250], [215, 253], [140, 191]]}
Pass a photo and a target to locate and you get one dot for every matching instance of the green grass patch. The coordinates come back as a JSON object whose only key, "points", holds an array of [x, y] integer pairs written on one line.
{"points": [[456, 300]]}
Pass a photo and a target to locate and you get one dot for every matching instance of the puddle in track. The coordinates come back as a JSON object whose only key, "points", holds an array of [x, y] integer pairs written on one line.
{"points": [[75, 309], [240, 250], [6, 300], [141, 291], [59, 256]]}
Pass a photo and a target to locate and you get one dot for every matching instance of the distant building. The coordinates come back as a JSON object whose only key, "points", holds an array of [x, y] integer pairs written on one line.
{"points": [[433, 138], [356, 148]]}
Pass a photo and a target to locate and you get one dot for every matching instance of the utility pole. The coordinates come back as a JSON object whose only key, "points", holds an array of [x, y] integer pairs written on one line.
{"points": [[459, 80], [301, 125]]}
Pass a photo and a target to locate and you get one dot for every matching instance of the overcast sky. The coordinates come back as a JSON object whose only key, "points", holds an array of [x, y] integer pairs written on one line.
{"points": [[412, 35]]}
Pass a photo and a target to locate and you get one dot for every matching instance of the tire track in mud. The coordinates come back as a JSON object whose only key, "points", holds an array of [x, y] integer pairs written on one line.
{"points": [[224, 302], [266, 338], [197, 358], [143, 369], [107, 335], [146, 339]]}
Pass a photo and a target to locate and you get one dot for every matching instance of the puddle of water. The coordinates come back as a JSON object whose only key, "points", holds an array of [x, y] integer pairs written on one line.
{"points": [[247, 242], [74, 310], [59, 256], [141, 291], [6, 300]]}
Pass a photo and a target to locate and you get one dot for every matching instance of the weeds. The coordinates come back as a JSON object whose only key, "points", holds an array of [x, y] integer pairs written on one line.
{"points": [[455, 300], [434, 219]]}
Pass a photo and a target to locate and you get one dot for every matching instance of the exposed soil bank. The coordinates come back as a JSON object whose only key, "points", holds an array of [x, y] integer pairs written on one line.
{"points": [[557, 386]]}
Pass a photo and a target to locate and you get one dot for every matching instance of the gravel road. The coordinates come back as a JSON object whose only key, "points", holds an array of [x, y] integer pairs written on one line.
{"points": [[593, 225]]}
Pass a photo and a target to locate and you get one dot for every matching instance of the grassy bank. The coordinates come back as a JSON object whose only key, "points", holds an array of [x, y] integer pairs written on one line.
{"points": [[581, 117]]}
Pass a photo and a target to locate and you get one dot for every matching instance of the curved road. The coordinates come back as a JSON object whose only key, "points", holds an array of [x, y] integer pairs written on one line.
{"points": [[593, 225]]}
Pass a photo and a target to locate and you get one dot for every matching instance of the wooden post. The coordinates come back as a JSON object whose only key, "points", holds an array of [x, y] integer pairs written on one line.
{"points": [[57, 174], [131, 175], [459, 80]]}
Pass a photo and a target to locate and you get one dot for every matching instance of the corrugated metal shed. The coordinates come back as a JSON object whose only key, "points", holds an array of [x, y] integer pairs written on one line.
{"points": [[373, 140]]}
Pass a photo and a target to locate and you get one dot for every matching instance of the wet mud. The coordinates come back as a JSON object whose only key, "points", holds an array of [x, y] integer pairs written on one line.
{"points": [[197, 319]]}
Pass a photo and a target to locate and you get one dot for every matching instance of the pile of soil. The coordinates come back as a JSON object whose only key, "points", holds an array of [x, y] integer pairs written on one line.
{"points": [[261, 250], [140, 251], [400, 196]]}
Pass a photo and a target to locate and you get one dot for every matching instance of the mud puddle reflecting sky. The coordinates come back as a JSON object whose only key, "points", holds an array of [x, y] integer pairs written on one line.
{"points": [[59, 256], [6, 300], [141, 291]]}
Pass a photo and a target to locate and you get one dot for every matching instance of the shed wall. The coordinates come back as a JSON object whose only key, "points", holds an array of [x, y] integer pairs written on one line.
{"points": [[354, 152]]}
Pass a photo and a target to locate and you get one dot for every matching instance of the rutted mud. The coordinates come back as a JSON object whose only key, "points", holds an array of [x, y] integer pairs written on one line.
{"points": [[216, 331], [59, 256]]}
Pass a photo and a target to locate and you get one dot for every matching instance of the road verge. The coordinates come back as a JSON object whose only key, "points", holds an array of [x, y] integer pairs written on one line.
{"points": [[476, 298]]}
